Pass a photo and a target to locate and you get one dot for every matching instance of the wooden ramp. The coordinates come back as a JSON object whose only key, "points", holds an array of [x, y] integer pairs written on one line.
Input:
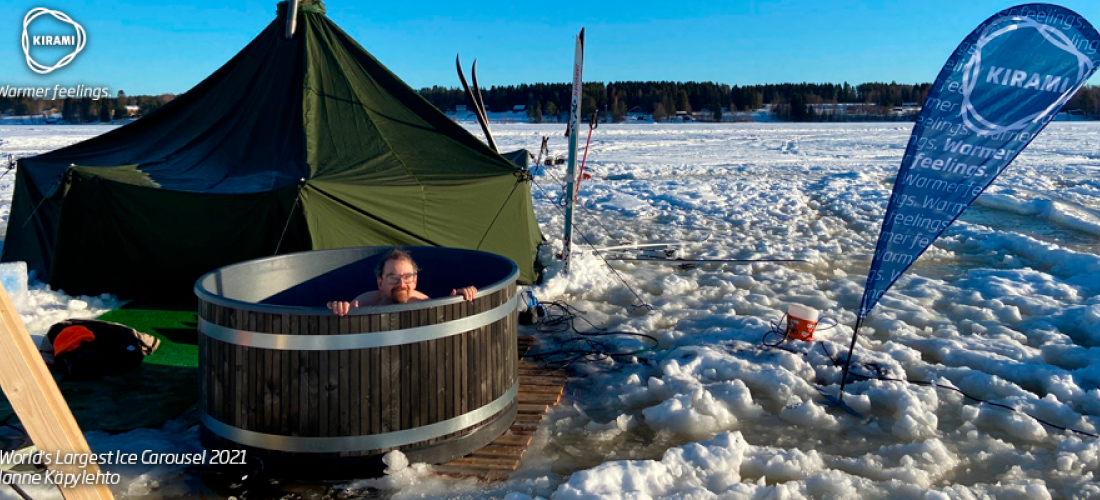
{"points": [[539, 389]]}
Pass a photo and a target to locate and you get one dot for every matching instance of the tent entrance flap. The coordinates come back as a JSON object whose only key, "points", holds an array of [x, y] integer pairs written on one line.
{"points": [[152, 244]]}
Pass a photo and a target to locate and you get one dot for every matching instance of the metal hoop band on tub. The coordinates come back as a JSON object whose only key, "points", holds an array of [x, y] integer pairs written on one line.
{"points": [[338, 444], [282, 342]]}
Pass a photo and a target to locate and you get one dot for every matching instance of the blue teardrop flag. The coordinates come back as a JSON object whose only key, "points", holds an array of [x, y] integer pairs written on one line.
{"points": [[996, 92], [1000, 87]]}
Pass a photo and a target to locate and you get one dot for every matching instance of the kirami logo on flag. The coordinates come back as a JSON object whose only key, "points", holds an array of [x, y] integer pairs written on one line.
{"points": [[1044, 77]]}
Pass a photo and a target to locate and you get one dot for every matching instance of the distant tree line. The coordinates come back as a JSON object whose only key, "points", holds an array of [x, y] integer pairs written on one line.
{"points": [[86, 110], [794, 101], [1086, 102], [662, 100], [614, 100]]}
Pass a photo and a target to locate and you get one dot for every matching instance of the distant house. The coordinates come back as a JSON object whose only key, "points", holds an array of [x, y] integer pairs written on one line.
{"points": [[132, 110], [1070, 115], [844, 109], [703, 115], [464, 113], [519, 108], [637, 114], [907, 108]]}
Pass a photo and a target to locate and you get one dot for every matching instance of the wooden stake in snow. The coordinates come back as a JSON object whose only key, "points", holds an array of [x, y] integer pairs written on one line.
{"points": [[37, 401]]}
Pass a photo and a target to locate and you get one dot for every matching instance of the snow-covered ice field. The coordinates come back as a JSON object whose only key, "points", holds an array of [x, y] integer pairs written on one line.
{"points": [[1004, 307]]}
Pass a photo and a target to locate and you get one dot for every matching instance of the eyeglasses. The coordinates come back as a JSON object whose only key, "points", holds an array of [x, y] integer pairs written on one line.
{"points": [[394, 279]]}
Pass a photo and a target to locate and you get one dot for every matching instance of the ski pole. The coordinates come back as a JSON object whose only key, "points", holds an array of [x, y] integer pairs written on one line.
{"points": [[591, 126], [543, 153]]}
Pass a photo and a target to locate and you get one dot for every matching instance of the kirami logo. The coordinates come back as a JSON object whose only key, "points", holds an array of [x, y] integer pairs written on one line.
{"points": [[1022, 79], [77, 40], [53, 40], [1019, 36]]}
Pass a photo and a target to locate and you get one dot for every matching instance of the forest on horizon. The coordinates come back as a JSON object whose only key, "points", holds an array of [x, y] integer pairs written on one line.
{"points": [[613, 100]]}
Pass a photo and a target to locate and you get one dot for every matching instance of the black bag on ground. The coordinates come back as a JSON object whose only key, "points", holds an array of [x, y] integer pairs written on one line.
{"points": [[116, 349]]}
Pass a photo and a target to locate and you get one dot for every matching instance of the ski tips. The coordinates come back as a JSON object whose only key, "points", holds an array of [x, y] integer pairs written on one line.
{"points": [[473, 95]]}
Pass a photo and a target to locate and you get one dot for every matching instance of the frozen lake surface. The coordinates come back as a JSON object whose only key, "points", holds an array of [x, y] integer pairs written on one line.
{"points": [[1004, 307]]}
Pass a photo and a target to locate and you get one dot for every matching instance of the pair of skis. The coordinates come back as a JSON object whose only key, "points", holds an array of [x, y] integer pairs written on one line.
{"points": [[474, 97], [544, 153], [571, 170]]}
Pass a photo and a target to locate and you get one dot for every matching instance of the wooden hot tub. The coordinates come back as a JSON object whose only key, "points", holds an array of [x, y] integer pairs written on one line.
{"points": [[311, 394]]}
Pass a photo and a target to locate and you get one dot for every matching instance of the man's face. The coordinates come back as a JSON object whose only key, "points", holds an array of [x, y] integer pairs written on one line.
{"points": [[391, 283]]}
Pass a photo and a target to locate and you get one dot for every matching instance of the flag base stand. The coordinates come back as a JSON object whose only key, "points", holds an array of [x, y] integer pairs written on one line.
{"points": [[838, 403]]}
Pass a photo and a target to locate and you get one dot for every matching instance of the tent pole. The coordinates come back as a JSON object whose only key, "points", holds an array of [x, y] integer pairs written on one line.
{"points": [[291, 18], [848, 362], [290, 215]]}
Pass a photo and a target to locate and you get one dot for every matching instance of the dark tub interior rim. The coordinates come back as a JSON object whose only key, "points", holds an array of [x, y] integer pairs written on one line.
{"points": [[210, 297]]}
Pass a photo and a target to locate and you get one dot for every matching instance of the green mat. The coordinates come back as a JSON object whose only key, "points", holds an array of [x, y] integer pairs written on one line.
{"points": [[175, 328], [165, 386]]}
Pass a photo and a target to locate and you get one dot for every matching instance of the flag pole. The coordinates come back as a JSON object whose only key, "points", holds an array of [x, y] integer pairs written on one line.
{"points": [[848, 362]]}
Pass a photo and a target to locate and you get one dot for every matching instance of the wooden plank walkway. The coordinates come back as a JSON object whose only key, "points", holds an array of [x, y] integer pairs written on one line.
{"points": [[539, 390]]}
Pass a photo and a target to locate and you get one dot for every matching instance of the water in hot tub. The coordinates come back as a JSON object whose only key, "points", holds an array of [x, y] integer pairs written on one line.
{"points": [[1004, 307]]}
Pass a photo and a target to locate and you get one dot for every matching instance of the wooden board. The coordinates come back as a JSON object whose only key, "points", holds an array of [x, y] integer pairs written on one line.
{"points": [[37, 401], [509, 439], [470, 472], [539, 398], [500, 451], [539, 390], [528, 419], [556, 381]]}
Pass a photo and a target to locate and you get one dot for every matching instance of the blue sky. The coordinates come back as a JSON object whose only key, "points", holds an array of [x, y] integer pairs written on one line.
{"points": [[160, 47]]}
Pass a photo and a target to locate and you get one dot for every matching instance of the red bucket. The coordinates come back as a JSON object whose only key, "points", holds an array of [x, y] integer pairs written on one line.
{"points": [[801, 322]]}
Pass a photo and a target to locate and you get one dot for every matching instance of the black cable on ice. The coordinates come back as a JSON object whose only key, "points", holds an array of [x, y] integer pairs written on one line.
{"points": [[598, 254]]}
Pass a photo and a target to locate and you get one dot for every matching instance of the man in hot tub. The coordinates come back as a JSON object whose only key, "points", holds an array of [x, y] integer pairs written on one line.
{"points": [[396, 275]]}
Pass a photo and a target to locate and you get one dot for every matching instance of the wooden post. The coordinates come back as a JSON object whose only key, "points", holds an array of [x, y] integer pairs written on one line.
{"points": [[37, 401]]}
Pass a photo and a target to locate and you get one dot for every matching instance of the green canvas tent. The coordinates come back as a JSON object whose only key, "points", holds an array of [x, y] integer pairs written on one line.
{"points": [[294, 144]]}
